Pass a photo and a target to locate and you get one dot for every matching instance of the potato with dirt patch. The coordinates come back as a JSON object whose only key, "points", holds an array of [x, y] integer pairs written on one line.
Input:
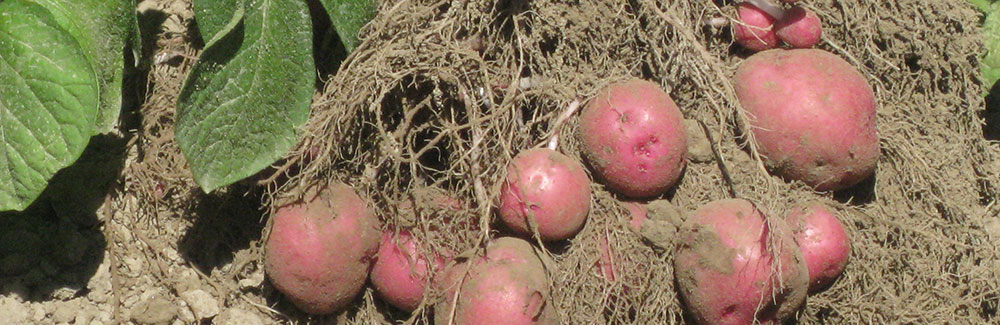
{"points": [[734, 267], [509, 285], [632, 136], [812, 116], [548, 189], [320, 249], [824, 242]]}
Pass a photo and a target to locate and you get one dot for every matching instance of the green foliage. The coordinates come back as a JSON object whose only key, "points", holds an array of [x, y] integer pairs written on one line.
{"points": [[49, 100], [102, 27], [348, 16], [248, 94], [213, 15], [990, 64]]}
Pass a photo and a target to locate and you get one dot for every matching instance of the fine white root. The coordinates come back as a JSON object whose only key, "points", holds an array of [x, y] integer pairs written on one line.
{"points": [[566, 114]]}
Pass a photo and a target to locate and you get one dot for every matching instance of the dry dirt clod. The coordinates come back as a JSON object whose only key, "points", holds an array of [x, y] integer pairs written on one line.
{"points": [[235, 316], [202, 303], [662, 223], [155, 310], [699, 148]]}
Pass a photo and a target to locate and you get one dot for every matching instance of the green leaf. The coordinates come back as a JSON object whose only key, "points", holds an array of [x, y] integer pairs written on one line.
{"points": [[348, 16], [48, 101], [983, 5], [102, 27], [245, 99], [213, 15], [990, 64]]}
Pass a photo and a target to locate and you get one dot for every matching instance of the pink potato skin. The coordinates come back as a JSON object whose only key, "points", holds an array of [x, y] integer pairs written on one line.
{"points": [[799, 28], [607, 263], [639, 213], [401, 272], [319, 251], [755, 30], [548, 186], [812, 115], [507, 286], [723, 267], [824, 242], [632, 135]]}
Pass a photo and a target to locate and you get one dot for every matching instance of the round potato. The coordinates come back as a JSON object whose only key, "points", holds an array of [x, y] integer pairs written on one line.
{"points": [[320, 249], [735, 267], [812, 115], [633, 137]]}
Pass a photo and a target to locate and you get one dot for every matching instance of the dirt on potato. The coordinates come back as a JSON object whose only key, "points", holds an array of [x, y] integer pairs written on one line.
{"points": [[442, 94]]}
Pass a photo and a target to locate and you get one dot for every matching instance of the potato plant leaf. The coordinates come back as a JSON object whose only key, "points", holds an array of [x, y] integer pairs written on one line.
{"points": [[102, 28], [48, 101], [983, 5], [213, 15], [348, 16], [245, 99], [990, 64]]}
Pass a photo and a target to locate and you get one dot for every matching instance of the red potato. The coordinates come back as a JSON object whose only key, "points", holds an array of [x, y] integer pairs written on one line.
{"points": [[825, 246], [507, 286], [799, 27], [401, 272], [723, 265], [549, 187], [755, 30], [319, 250], [633, 138], [812, 116], [638, 213]]}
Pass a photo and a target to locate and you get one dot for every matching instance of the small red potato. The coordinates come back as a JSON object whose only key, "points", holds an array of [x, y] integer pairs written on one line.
{"points": [[825, 246], [320, 249], [508, 285], [548, 187], [401, 271], [755, 30], [724, 262], [812, 116], [632, 136], [638, 213], [799, 28]]}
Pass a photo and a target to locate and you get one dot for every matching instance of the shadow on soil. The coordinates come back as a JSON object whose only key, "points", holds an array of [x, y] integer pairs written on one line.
{"points": [[861, 194], [224, 224], [991, 130], [52, 249]]}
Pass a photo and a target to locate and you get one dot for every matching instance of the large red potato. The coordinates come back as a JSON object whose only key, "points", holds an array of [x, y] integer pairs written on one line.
{"points": [[401, 271], [723, 264], [755, 30], [550, 188], [508, 285], [812, 115], [320, 249], [632, 135], [825, 246]]}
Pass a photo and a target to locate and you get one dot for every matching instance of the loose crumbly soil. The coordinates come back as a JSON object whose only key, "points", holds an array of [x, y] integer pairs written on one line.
{"points": [[442, 94]]}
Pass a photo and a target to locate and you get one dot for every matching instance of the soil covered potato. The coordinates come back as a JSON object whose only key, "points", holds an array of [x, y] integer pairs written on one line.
{"points": [[320, 249], [509, 285], [733, 266]]}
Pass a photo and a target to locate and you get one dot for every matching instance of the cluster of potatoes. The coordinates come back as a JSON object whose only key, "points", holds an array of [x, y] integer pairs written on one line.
{"points": [[812, 119]]}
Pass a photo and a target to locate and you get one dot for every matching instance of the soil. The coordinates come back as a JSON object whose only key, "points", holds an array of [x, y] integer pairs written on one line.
{"points": [[440, 95]]}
